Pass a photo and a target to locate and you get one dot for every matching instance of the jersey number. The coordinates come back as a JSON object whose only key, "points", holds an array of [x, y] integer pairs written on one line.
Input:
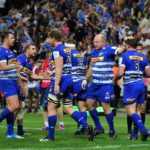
{"points": [[137, 65], [80, 62], [68, 58]]}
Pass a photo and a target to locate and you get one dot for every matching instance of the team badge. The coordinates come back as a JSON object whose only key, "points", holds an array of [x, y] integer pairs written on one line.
{"points": [[101, 53]]}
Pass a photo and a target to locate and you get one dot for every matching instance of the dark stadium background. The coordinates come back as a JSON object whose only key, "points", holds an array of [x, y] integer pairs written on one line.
{"points": [[16, 3]]}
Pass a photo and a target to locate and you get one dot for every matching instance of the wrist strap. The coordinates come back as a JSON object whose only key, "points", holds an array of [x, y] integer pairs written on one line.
{"points": [[85, 78], [18, 75]]}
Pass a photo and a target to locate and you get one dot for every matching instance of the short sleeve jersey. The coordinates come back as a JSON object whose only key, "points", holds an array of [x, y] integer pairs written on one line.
{"points": [[8, 57], [62, 51], [26, 65], [134, 64], [102, 62], [79, 65]]}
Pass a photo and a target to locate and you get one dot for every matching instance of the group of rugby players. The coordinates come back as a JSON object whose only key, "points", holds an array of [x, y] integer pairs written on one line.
{"points": [[69, 77]]}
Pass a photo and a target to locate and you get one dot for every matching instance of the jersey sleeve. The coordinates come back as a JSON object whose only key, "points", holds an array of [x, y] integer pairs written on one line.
{"points": [[21, 61], [113, 50], [57, 53], [122, 61]]}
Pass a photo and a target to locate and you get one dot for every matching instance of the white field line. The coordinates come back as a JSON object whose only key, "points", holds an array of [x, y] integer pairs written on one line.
{"points": [[95, 147]]}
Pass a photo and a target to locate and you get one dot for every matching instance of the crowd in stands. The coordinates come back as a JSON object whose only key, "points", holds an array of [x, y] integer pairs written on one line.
{"points": [[80, 20]]}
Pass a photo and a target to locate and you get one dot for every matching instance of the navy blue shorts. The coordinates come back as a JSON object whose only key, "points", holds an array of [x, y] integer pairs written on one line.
{"points": [[79, 93], [9, 87], [134, 93], [102, 93], [66, 88]]}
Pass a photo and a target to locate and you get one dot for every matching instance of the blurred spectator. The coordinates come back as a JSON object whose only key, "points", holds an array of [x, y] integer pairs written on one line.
{"points": [[33, 89], [144, 25]]}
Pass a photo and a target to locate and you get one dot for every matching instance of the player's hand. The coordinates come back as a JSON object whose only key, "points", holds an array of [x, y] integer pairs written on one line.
{"points": [[114, 81], [24, 91], [24, 79], [128, 38], [56, 89], [47, 75], [83, 84], [17, 65]]}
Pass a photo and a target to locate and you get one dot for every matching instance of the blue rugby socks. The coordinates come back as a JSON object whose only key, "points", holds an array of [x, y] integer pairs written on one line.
{"points": [[135, 131], [84, 115], [10, 123], [110, 120], [76, 116], [52, 123], [20, 129], [137, 120], [95, 116], [4, 114]]}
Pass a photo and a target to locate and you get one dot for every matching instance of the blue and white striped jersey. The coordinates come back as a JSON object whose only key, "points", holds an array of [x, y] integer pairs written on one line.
{"points": [[102, 62], [62, 51], [79, 65], [26, 65], [8, 57], [134, 64]]}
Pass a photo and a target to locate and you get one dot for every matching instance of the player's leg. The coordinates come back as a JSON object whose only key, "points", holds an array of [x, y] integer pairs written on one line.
{"points": [[53, 102], [67, 107], [129, 124], [83, 113], [44, 105], [30, 96], [60, 117], [110, 118], [131, 111], [36, 94], [92, 94], [142, 111], [13, 105]]}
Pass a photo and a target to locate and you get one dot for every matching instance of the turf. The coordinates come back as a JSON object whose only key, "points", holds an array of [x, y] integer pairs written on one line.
{"points": [[66, 140]]}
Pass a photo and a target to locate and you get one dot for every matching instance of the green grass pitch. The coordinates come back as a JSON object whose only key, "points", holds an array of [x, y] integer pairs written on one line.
{"points": [[66, 140]]}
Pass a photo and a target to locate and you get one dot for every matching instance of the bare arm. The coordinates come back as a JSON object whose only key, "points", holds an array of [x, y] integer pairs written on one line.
{"points": [[6, 67], [89, 72], [123, 46], [147, 72], [121, 49], [44, 76], [58, 69], [119, 74]]}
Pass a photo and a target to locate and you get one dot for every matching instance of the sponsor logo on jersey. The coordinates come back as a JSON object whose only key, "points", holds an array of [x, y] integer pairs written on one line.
{"points": [[136, 58], [12, 61], [26, 70], [75, 94], [78, 55], [97, 59], [130, 99], [67, 50]]}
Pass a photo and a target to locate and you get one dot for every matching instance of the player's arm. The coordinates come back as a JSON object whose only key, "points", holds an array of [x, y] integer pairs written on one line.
{"points": [[44, 76], [89, 72], [119, 74], [122, 49], [5, 67], [147, 71], [58, 69], [88, 75], [121, 70]]}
